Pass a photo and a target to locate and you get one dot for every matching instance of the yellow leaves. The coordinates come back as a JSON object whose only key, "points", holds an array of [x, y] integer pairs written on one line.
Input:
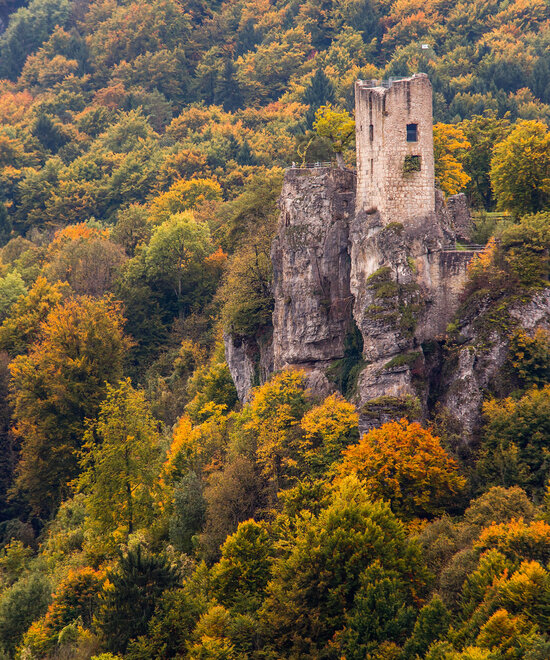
{"points": [[275, 413], [334, 417], [483, 260], [336, 125], [182, 196], [520, 168], [450, 144]]}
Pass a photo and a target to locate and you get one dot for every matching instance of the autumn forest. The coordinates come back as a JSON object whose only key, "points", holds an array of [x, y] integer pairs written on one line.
{"points": [[145, 512]]}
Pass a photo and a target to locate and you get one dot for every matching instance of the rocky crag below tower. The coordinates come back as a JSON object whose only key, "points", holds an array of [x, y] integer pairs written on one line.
{"points": [[357, 302], [367, 279]]}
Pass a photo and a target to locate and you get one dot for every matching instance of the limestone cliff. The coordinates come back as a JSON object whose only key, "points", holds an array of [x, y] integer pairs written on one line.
{"points": [[474, 358], [335, 271], [311, 270]]}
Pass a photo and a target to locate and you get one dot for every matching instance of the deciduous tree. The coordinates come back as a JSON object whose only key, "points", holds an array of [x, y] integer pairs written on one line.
{"points": [[57, 386], [520, 169], [405, 464], [121, 464]]}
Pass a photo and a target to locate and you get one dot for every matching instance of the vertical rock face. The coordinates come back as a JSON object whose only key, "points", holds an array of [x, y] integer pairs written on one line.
{"points": [[250, 361], [406, 281], [474, 367], [311, 267], [333, 269]]}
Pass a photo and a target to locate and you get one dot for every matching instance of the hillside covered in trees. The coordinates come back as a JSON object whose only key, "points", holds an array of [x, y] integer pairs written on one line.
{"points": [[147, 513]]}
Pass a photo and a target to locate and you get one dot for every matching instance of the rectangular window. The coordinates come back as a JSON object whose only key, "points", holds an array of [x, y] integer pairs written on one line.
{"points": [[411, 164], [412, 132], [371, 132]]}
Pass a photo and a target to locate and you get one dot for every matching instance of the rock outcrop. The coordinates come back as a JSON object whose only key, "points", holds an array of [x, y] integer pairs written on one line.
{"points": [[250, 360], [473, 365], [337, 274], [406, 281], [311, 270]]}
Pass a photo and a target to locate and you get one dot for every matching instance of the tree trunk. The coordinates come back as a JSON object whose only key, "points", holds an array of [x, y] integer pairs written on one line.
{"points": [[340, 160]]}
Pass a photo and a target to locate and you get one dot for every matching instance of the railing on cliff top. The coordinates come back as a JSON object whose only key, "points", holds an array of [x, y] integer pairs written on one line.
{"points": [[326, 163]]}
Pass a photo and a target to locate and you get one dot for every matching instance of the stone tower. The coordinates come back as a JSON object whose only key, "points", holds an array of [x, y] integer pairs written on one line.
{"points": [[395, 161]]}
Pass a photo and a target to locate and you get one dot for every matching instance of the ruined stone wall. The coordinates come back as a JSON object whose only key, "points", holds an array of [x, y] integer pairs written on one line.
{"points": [[382, 183]]}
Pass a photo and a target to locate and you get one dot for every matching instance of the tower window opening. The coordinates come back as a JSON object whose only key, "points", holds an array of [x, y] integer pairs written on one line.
{"points": [[411, 164], [412, 132], [371, 132]]}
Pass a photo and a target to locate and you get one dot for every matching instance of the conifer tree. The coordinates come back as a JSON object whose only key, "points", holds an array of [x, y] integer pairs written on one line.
{"points": [[227, 91], [135, 586], [319, 92]]}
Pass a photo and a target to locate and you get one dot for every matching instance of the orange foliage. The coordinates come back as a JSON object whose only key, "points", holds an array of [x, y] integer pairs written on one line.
{"points": [[13, 106], [78, 232], [483, 261], [405, 464], [518, 539]]}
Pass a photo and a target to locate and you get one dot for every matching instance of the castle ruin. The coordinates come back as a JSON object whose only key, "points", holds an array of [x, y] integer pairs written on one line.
{"points": [[394, 138], [366, 254]]}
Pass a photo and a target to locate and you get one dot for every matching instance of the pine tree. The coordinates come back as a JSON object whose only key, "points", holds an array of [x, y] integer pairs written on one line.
{"points": [[245, 155], [136, 585], [319, 92], [227, 92]]}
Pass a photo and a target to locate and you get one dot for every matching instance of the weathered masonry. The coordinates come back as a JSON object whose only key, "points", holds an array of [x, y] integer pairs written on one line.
{"points": [[395, 162]]}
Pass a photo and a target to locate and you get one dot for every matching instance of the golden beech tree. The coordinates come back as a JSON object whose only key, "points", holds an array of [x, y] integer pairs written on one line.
{"points": [[337, 126], [57, 386], [405, 464], [329, 428], [520, 169], [450, 145], [275, 413]]}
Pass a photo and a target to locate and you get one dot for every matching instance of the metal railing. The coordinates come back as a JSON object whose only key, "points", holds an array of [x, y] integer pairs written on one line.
{"points": [[326, 163], [382, 83]]}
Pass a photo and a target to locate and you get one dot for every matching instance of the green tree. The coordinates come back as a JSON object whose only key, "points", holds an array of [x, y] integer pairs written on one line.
{"points": [[321, 570], [227, 91], [515, 436], [189, 512], [20, 605], [29, 27], [526, 247], [12, 288], [431, 625], [56, 387], [175, 256], [240, 577], [482, 132], [246, 291], [381, 618], [128, 601], [121, 463], [520, 169], [319, 92]]}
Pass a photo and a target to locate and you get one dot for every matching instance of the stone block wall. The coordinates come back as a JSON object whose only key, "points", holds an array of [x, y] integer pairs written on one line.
{"points": [[382, 114]]}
